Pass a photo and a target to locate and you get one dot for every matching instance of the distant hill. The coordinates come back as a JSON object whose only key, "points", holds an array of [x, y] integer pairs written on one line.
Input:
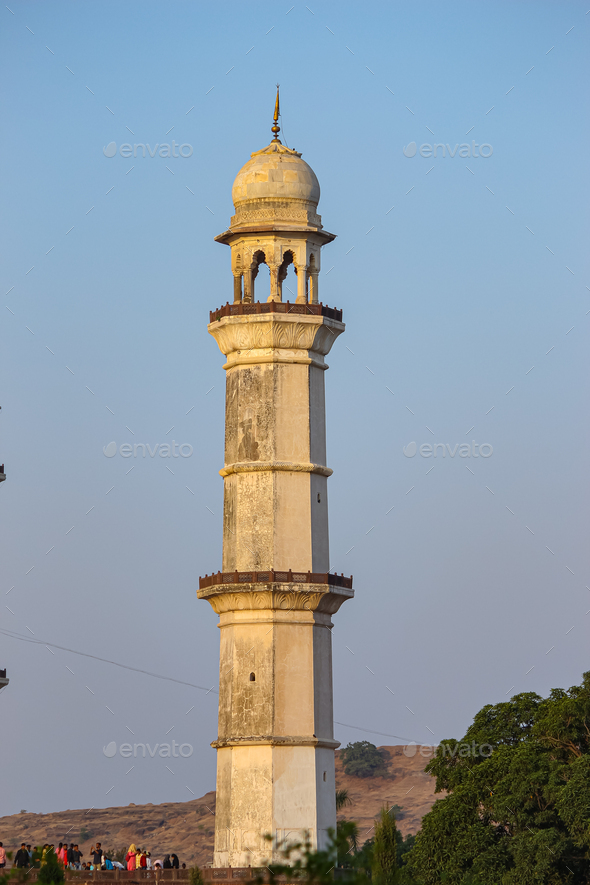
{"points": [[406, 785], [187, 828]]}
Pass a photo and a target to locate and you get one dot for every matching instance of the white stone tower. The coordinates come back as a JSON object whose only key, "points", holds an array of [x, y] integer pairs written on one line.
{"points": [[274, 595]]}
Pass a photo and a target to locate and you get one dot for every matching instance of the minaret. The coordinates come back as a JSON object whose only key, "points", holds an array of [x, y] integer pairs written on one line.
{"points": [[275, 595]]}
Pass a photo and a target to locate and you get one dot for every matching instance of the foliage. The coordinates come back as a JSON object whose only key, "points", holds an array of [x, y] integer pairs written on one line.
{"points": [[397, 812], [364, 857], [404, 846], [363, 759], [51, 871], [342, 799], [300, 862], [384, 861], [347, 832], [522, 814], [195, 876]]}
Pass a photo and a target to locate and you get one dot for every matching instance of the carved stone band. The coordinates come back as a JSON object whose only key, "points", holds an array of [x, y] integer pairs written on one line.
{"points": [[279, 597], [290, 466], [276, 740], [312, 336]]}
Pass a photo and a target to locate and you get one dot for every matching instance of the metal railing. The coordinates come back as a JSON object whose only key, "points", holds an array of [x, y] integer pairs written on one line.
{"points": [[273, 576], [244, 308]]}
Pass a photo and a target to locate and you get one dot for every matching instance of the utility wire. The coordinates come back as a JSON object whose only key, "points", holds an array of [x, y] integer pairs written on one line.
{"points": [[84, 654], [370, 731], [12, 635]]}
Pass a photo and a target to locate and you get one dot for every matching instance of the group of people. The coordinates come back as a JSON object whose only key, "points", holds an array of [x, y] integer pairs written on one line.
{"points": [[71, 857], [140, 859]]}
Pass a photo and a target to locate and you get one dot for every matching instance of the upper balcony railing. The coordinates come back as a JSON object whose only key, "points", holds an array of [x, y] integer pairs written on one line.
{"points": [[243, 308], [272, 577]]}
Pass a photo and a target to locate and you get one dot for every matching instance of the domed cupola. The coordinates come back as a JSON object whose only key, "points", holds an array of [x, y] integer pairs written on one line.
{"points": [[275, 195]]}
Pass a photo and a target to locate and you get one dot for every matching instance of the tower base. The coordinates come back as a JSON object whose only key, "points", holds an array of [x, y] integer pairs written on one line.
{"points": [[275, 750]]}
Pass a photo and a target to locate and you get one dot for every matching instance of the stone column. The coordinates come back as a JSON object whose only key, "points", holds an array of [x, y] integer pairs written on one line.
{"points": [[237, 288], [282, 274], [313, 295], [248, 286], [274, 282], [301, 284]]}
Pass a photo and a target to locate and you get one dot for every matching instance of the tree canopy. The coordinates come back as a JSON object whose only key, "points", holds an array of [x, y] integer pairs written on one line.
{"points": [[363, 759], [518, 813]]}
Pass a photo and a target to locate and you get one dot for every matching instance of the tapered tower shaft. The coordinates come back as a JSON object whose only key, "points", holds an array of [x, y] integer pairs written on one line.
{"points": [[274, 595]]}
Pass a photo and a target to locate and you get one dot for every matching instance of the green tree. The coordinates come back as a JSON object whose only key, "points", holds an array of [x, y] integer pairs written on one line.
{"points": [[50, 871], [384, 862], [364, 857], [347, 832], [195, 876], [518, 803], [363, 759]]}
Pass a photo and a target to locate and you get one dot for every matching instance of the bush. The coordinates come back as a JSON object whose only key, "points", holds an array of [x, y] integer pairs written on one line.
{"points": [[50, 872], [196, 876], [363, 759]]}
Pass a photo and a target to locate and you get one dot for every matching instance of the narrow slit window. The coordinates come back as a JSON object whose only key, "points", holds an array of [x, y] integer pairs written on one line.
{"points": [[252, 677]]}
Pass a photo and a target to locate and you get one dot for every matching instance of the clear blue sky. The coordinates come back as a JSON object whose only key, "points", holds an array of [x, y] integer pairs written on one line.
{"points": [[450, 298]]}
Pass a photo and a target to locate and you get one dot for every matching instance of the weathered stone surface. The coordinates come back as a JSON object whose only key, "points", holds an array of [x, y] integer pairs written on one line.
{"points": [[276, 507]]}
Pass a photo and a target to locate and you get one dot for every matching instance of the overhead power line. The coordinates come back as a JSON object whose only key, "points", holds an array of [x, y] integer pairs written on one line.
{"points": [[13, 635], [84, 654], [382, 733]]}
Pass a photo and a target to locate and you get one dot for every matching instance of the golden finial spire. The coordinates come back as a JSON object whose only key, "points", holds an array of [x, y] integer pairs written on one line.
{"points": [[276, 129]]}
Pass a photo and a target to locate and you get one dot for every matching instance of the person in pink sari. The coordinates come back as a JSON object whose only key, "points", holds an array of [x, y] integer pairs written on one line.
{"points": [[130, 857]]}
